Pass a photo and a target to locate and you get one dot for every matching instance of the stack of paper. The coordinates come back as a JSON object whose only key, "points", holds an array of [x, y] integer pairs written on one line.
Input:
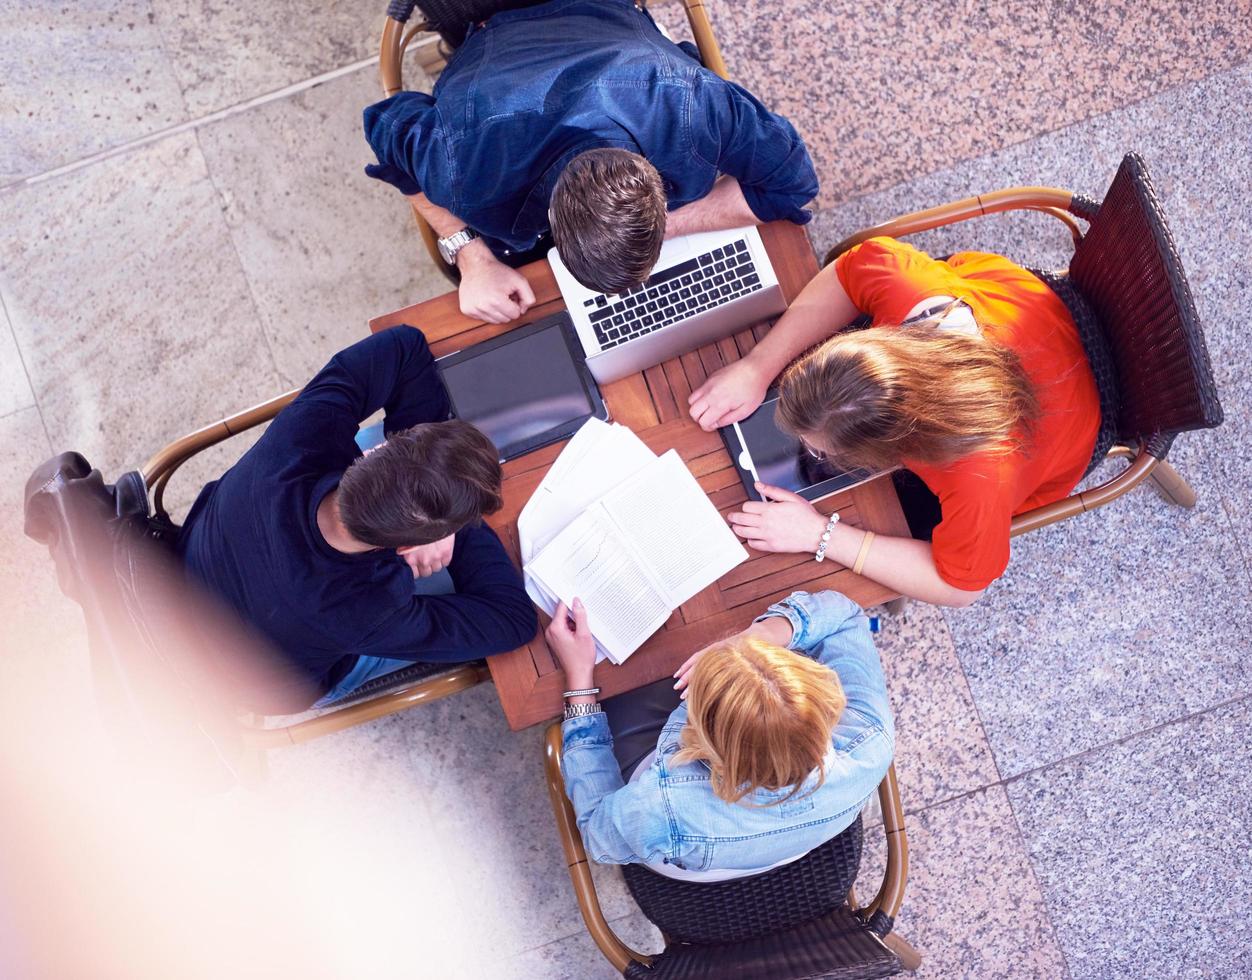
{"points": [[629, 533]]}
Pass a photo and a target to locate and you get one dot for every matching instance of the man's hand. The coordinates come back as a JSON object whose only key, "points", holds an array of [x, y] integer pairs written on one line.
{"points": [[570, 640], [784, 522], [731, 394], [490, 290], [426, 559]]}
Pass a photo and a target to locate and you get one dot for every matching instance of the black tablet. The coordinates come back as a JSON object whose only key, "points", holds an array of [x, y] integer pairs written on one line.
{"points": [[762, 451], [525, 388]]}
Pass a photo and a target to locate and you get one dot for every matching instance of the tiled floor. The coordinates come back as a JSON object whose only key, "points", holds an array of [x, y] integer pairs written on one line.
{"points": [[187, 231]]}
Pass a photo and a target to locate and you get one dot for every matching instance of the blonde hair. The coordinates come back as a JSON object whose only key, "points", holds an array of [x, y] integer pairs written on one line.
{"points": [[759, 716], [877, 397]]}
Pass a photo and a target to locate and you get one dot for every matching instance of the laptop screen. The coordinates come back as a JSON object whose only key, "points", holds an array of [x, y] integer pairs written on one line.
{"points": [[522, 389]]}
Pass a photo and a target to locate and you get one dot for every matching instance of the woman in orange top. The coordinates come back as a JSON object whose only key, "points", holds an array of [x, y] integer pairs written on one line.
{"points": [[972, 377]]}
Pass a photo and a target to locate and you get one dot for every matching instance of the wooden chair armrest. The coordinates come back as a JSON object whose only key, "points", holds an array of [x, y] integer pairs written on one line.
{"points": [[420, 692], [1050, 200], [706, 41], [1141, 467], [156, 472], [895, 875], [614, 950]]}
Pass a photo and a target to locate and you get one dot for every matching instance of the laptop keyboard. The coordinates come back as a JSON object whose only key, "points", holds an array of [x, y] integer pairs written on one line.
{"points": [[710, 280]]}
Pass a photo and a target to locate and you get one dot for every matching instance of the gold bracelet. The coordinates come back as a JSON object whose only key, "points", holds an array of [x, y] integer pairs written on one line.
{"points": [[861, 555]]}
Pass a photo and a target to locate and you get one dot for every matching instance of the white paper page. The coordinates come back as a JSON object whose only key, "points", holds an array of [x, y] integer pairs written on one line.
{"points": [[602, 458], [542, 597], [674, 527], [589, 560]]}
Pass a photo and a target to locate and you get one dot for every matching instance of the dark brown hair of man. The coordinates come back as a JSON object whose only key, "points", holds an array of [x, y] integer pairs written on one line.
{"points": [[421, 485], [608, 218]]}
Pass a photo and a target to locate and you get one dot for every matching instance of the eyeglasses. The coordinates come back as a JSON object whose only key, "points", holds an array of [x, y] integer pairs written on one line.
{"points": [[817, 454]]}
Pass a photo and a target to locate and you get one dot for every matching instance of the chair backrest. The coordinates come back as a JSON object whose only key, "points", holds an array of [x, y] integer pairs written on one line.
{"points": [[452, 18], [1128, 269], [745, 908], [836, 946]]}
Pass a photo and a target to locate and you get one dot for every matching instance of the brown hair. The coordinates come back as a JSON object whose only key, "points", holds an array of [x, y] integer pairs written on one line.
{"points": [[760, 717], [608, 218], [877, 397], [421, 485]]}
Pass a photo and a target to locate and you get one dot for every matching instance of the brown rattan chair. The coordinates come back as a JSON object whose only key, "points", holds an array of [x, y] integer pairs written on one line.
{"points": [[1128, 293], [449, 19], [407, 688], [798, 921]]}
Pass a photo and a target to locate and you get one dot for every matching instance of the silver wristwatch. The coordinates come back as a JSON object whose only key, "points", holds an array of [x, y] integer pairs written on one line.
{"points": [[579, 710], [450, 246]]}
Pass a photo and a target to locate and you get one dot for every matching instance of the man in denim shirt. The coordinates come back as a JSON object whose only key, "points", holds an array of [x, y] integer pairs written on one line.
{"points": [[580, 118], [665, 812]]}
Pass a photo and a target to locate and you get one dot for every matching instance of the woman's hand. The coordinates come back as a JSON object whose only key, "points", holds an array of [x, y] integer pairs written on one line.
{"points": [[731, 394], [683, 673], [570, 640], [773, 629], [785, 522]]}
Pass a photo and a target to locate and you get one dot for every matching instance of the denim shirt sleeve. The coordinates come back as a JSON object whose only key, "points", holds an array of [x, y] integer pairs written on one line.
{"points": [[399, 131], [834, 631], [733, 131], [618, 820]]}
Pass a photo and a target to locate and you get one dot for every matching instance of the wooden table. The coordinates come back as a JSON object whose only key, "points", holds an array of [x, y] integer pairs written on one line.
{"points": [[653, 404]]}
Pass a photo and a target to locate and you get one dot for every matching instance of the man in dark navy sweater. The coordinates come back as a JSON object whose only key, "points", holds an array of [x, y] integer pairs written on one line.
{"points": [[317, 547]]}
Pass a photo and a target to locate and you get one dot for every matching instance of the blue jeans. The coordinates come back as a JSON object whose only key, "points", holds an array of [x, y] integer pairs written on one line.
{"points": [[367, 668]]}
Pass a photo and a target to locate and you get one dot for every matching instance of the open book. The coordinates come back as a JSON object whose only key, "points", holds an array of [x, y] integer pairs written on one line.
{"points": [[634, 553]]}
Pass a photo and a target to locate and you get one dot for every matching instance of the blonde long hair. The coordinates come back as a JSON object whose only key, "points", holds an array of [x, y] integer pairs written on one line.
{"points": [[760, 717], [877, 397]]}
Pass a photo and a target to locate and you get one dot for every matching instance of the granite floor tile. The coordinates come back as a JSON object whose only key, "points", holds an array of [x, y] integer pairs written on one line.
{"points": [[491, 819], [941, 749], [576, 957], [43, 644], [1141, 849], [883, 98], [78, 80], [972, 906], [227, 53], [1104, 625], [325, 247], [15, 390], [148, 333]]}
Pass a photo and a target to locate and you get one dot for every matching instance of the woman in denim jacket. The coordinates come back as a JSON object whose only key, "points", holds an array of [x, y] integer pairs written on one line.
{"points": [[768, 754]]}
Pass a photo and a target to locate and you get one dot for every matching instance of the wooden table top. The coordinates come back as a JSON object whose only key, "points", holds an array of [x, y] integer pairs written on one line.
{"points": [[653, 404]]}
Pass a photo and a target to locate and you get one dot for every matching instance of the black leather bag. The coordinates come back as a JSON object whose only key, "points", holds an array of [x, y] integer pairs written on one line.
{"points": [[153, 642]]}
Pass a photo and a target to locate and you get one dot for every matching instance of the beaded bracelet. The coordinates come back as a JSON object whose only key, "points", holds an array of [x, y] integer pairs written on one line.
{"points": [[830, 525], [585, 690]]}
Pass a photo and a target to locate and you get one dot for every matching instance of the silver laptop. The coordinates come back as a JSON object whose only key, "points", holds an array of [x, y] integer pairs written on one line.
{"points": [[703, 287]]}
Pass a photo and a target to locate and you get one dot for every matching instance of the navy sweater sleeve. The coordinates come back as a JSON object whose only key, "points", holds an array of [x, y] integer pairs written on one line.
{"points": [[489, 612], [392, 370], [734, 132]]}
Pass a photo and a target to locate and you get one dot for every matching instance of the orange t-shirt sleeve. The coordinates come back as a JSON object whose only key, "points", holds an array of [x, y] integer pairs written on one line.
{"points": [[884, 277], [970, 546]]}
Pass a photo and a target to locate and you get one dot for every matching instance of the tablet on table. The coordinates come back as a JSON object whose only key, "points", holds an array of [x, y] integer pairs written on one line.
{"points": [[525, 388], [762, 451]]}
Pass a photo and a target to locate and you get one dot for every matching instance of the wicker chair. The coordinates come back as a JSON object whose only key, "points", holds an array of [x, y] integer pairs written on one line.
{"points": [[113, 549], [1129, 296], [796, 922], [450, 19]]}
